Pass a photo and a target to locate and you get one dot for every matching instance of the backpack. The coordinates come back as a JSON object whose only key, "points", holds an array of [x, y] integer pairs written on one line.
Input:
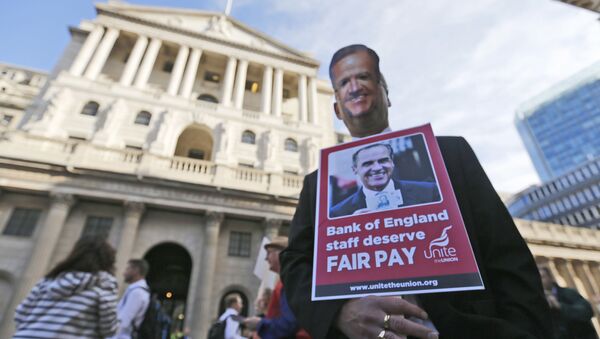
{"points": [[156, 324], [217, 329]]}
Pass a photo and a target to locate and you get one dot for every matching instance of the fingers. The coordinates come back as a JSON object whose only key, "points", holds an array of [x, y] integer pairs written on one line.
{"points": [[402, 326], [397, 305], [364, 318]]}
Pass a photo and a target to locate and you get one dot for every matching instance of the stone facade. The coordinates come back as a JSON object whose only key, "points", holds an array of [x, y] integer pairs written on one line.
{"points": [[572, 253], [183, 136]]}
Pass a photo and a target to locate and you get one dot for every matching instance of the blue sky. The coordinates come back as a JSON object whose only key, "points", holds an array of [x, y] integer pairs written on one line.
{"points": [[464, 66]]}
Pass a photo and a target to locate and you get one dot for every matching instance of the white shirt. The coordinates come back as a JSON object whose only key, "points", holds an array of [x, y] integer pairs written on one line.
{"points": [[232, 327], [131, 308], [390, 195]]}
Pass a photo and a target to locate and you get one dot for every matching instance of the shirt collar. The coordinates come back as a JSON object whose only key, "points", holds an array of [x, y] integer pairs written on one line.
{"points": [[388, 188], [141, 282]]}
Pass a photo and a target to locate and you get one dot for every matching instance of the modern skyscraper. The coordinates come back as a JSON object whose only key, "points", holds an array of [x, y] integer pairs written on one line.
{"points": [[560, 127]]}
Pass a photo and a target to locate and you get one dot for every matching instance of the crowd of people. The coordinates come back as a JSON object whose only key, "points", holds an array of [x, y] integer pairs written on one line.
{"points": [[78, 297]]}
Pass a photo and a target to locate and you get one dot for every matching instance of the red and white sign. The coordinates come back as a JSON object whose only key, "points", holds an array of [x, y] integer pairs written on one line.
{"points": [[387, 220]]}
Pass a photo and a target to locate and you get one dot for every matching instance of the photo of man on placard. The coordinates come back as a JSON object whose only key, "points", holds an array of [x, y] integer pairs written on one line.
{"points": [[384, 175]]}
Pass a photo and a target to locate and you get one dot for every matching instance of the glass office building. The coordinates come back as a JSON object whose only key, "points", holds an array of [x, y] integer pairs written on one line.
{"points": [[561, 131], [561, 127], [570, 199]]}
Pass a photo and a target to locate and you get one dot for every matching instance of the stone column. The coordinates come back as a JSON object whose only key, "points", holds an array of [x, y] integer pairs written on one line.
{"points": [[190, 73], [44, 246], [228, 81], [85, 53], [302, 99], [177, 72], [555, 272], [240, 84], [267, 89], [102, 53], [203, 315], [312, 101], [131, 222], [277, 92], [579, 284], [272, 227], [147, 63], [561, 265], [584, 274], [133, 63], [595, 271]]}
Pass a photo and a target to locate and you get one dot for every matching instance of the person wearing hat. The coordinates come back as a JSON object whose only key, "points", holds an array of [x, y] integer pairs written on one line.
{"points": [[279, 321]]}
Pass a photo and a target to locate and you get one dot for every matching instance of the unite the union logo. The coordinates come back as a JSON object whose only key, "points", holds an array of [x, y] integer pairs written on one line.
{"points": [[439, 250]]}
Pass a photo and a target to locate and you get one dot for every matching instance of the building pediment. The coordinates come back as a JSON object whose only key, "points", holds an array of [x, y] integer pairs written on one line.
{"points": [[213, 25]]}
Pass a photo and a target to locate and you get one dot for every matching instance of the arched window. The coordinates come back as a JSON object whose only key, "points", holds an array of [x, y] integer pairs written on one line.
{"points": [[290, 145], [248, 137], [143, 118], [90, 108], [208, 97]]}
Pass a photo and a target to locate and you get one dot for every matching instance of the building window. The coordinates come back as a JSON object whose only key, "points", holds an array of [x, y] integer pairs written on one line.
{"points": [[196, 154], [133, 148], [586, 172], [76, 139], [291, 145], [588, 194], [248, 137], [143, 118], [594, 168], [212, 77], [6, 119], [596, 190], [567, 202], [286, 93], [239, 244], [208, 97], [90, 108], [252, 86], [97, 226], [22, 222], [167, 66]]}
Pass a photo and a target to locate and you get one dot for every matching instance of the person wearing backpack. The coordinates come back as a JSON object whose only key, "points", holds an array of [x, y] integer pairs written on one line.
{"points": [[132, 307], [229, 318]]}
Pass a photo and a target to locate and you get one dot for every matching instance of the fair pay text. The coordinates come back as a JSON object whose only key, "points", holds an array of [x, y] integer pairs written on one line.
{"points": [[388, 256]]}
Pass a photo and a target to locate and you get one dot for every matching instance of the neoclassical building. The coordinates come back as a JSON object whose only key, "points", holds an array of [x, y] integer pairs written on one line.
{"points": [[183, 137], [572, 254]]}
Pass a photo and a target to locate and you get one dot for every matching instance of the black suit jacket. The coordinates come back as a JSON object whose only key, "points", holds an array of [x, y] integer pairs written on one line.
{"points": [[413, 192], [512, 305]]}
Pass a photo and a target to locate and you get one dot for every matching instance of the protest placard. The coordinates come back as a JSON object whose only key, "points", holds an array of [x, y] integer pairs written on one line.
{"points": [[387, 220]]}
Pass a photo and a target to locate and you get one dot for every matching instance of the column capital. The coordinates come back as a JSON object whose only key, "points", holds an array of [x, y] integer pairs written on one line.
{"points": [[272, 227], [214, 219], [64, 200], [134, 207], [272, 223]]}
